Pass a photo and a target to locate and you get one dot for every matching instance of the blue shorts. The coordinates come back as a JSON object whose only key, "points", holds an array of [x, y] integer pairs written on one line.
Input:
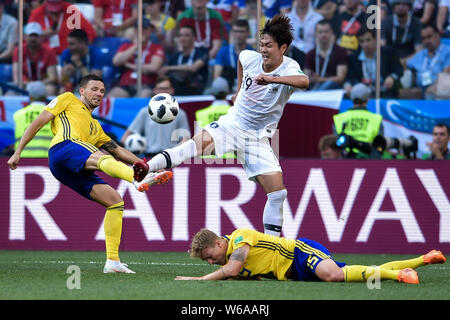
{"points": [[307, 255], [66, 161]]}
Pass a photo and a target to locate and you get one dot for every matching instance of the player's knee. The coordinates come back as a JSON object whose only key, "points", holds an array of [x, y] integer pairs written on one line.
{"points": [[335, 276], [277, 196]]}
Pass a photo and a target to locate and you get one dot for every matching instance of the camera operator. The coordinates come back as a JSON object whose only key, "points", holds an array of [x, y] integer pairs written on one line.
{"points": [[328, 148], [357, 127], [439, 146]]}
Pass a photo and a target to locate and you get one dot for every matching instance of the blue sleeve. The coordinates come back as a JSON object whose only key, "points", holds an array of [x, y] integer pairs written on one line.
{"points": [[96, 59], [173, 59], [221, 58], [414, 62], [65, 57]]}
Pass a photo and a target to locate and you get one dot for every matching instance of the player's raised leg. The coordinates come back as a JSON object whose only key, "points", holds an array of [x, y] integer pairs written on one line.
{"points": [[117, 169], [432, 257], [175, 156], [272, 183], [105, 195]]}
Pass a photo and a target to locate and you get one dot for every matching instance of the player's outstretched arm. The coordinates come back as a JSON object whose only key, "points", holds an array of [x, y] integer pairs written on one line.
{"points": [[229, 270], [300, 81], [41, 120]]}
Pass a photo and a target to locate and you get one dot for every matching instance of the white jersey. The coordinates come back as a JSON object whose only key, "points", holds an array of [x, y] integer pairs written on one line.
{"points": [[256, 106]]}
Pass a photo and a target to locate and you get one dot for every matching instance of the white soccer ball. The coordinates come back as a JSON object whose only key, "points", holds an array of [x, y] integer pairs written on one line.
{"points": [[136, 143], [163, 108]]}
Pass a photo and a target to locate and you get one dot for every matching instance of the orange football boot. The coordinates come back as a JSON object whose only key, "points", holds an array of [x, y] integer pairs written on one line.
{"points": [[434, 256], [408, 275]]}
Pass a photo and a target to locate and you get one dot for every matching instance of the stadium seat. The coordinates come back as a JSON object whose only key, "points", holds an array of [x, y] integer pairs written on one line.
{"points": [[109, 46], [6, 73], [446, 41], [109, 74]]}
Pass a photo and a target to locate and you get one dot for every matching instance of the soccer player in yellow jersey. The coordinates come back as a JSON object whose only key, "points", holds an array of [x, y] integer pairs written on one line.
{"points": [[251, 254], [74, 156]]}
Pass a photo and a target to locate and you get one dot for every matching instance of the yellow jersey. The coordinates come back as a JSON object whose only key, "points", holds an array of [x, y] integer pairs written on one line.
{"points": [[73, 121], [268, 257]]}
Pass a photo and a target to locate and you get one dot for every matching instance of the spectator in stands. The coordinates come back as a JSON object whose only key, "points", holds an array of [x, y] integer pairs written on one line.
{"points": [[115, 18], [188, 67], [362, 66], [160, 136], [327, 8], [401, 31], [126, 58], [57, 19], [326, 64], [164, 32], [39, 61], [38, 146], [347, 24], [173, 8], [328, 148], [228, 9], [426, 10], [8, 35], [208, 24], [429, 62], [439, 146], [226, 60], [271, 8], [443, 18], [78, 60], [303, 19]]}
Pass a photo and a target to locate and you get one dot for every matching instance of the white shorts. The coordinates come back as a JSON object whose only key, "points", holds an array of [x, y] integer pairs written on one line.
{"points": [[252, 149]]}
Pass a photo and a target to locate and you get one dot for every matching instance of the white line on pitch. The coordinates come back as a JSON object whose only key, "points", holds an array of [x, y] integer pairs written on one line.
{"points": [[101, 262]]}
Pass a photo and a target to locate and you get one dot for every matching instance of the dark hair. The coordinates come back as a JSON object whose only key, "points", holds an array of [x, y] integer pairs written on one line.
{"points": [[430, 25], [188, 27], [160, 79], [328, 141], [442, 125], [242, 23], [280, 29], [325, 22], [79, 34], [363, 30], [89, 77]]}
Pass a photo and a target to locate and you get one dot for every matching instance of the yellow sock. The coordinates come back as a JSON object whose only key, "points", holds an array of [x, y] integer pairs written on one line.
{"points": [[113, 230], [402, 264], [357, 273], [114, 168]]}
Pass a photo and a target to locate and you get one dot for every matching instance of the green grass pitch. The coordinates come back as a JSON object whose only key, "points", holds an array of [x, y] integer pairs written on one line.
{"points": [[44, 275]]}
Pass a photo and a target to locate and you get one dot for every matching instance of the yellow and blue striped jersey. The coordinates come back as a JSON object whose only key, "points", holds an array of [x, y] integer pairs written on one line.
{"points": [[268, 257], [73, 121]]}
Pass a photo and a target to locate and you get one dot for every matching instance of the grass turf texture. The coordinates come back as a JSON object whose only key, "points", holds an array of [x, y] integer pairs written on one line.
{"points": [[43, 275]]}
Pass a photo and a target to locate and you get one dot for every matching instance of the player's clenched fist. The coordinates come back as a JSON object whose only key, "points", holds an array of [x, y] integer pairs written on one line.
{"points": [[13, 161]]}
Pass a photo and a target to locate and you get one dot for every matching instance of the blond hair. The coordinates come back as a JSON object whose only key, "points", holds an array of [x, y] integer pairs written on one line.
{"points": [[203, 239]]}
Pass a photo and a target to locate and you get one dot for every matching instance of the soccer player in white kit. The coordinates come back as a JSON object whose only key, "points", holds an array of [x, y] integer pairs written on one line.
{"points": [[266, 80]]}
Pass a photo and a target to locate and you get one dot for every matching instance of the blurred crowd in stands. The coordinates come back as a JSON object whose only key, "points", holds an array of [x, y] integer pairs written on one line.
{"points": [[194, 42]]}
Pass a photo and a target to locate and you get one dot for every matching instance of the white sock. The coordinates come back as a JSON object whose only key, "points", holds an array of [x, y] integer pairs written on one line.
{"points": [[113, 262], [273, 212], [173, 157]]}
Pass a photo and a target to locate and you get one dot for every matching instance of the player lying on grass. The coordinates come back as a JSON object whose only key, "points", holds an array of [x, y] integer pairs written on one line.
{"points": [[75, 154], [249, 254]]}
